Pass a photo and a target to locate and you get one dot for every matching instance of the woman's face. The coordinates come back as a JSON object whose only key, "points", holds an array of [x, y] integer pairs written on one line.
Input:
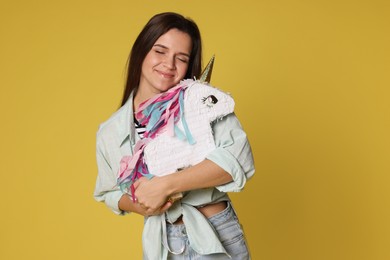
{"points": [[166, 63]]}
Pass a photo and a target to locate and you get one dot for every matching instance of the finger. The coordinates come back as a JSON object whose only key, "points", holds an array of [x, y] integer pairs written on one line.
{"points": [[142, 179], [166, 206], [136, 184]]}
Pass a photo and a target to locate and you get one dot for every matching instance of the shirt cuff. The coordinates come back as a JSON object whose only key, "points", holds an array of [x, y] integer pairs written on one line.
{"points": [[229, 163], [112, 201]]}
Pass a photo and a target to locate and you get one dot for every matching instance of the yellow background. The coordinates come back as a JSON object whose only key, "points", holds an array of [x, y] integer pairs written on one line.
{"points": [[311, 83]]}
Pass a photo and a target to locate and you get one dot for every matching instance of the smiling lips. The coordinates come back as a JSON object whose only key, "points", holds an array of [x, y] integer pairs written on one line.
{"points": [[165, 75]]}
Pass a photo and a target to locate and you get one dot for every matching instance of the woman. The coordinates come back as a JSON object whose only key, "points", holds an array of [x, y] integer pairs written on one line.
{"points": [[203, 222]]}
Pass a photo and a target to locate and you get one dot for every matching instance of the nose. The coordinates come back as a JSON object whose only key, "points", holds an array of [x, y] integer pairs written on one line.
{"points": [[170, 63]]}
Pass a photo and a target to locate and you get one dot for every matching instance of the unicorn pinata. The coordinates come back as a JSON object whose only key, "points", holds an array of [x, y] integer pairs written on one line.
{"points": [[178, 130]]}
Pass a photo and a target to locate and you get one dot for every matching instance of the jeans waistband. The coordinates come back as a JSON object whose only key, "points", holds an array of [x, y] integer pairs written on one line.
{"points": [[222, 216]]}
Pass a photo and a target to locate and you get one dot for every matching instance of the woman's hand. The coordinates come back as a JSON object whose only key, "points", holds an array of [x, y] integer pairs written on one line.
{"points": [[152, 195], [127, 204], [143, 210]]}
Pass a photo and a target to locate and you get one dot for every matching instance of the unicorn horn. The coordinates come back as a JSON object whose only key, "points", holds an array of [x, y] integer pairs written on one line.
{"points": [[206, 73]]}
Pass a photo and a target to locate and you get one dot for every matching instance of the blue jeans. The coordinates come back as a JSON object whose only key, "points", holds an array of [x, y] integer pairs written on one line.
{"points": [[229, 231]]}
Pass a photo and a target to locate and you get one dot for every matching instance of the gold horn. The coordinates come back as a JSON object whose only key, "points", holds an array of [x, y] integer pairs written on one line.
{"points": [[206, 73]]}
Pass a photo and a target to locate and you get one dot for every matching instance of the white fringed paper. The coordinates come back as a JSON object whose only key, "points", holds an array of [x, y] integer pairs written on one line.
{"points": [[203, 104]]}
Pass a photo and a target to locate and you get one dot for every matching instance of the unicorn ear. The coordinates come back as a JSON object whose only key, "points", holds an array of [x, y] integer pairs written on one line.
{"points": [[206, 73]]}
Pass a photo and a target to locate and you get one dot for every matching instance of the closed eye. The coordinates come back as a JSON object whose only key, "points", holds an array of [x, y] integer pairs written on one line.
{"points": [[210, 100], [184, 60]]}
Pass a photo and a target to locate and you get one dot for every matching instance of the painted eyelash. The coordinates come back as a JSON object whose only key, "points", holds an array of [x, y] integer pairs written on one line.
{"points": [[210, 100]]}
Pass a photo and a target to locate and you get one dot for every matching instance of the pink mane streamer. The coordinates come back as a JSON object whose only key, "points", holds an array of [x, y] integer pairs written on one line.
{"points": [[158, 113]]}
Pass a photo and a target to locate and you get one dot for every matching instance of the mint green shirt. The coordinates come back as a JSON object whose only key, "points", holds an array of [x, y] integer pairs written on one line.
{"points": [[117, 137]]}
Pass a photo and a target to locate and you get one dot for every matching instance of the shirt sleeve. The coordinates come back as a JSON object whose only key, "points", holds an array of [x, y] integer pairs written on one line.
{"points": [[233, 153], [106, 189]]}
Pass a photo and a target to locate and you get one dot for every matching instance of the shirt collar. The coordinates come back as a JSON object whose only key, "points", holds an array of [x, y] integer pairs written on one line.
{"points": [[127, 129]]}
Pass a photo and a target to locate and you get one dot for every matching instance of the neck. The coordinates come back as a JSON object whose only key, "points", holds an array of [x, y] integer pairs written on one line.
{"points": [[141, 96]]}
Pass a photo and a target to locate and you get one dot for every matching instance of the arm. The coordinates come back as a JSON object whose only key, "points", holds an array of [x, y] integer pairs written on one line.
{"points": [[107, 191], [227, 168], [126, 204], [155, 192], [203, 175]]}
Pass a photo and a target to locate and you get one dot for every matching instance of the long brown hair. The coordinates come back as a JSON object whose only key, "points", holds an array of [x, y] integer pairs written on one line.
{"points": [[157, 26]]}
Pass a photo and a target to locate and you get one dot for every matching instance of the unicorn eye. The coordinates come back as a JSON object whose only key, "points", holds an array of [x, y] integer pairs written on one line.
{"points": [[210, 100]]}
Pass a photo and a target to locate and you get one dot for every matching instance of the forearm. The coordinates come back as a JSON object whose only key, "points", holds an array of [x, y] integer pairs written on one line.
{"points": [[205, 174], [127, 204], [153, 194]]}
